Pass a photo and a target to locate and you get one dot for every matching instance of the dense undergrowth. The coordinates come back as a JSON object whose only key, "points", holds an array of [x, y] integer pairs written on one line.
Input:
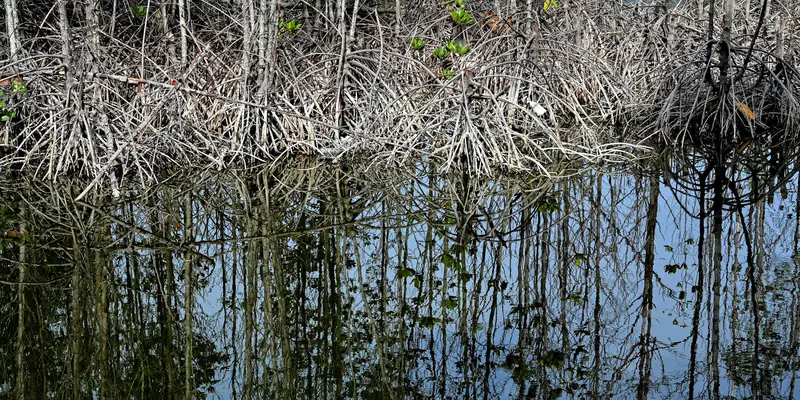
{"points": [[121, 92]]}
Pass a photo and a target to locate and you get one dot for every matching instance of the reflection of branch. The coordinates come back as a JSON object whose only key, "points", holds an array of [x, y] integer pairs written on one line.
{"points": [[185, 247]]}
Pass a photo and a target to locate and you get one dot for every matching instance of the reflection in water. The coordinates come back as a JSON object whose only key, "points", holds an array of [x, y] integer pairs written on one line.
{"points": [[315, 283]]}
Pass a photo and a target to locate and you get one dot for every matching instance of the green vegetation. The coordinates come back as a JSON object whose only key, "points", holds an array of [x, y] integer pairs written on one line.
{"points": [[417, 44], [289, 28], [456, 47], [17, 88], [461, 16], [447, 73], [441, 53], [138, 10]]}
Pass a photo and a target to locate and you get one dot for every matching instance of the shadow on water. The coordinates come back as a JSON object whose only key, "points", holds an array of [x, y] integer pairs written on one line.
{"points": [[319, 283]]}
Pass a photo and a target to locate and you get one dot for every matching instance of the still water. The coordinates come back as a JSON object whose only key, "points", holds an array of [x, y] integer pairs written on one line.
{"points": [[326, 284]]}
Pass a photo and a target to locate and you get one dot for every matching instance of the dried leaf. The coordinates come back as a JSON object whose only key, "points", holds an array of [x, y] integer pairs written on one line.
{"points": [[744, 109]]}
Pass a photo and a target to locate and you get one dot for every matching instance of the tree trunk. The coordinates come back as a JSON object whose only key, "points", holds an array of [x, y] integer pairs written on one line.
{"points": [[645, 353], [698, 288], [188, 296], [598, 282], [12, 29], [76, 323], [183, 23], [21, 308], [717, 281], [250, 298], [102, 315]]}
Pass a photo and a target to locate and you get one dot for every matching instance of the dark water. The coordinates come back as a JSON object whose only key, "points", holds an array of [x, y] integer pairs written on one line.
{"points": [[317, 283]]}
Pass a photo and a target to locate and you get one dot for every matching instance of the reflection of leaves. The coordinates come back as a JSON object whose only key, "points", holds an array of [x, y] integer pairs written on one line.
{"points": [[520, 372], [549, 203], [451, 302], [405, 272], [581, 258], [575, 297], [417, 282], [553, 359], [518, 309], [450, 261], [429, 322], [673, 268]]}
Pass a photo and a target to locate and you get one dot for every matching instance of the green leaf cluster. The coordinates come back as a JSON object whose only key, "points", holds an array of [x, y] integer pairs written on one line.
{"points": [[447, 74], [289, 28], [6, 113], [550, 4], [417, 44], [456, 47], [441, 53], [138, 11], [18, 87], [461, 16]]}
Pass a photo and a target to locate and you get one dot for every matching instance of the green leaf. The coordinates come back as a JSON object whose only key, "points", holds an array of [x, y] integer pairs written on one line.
{"points": [[456, 47], [139, 11], [548, 4], [461, 16], [581, 258], [417, 44], [289, 28], [441, 53], [447, 74]]}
